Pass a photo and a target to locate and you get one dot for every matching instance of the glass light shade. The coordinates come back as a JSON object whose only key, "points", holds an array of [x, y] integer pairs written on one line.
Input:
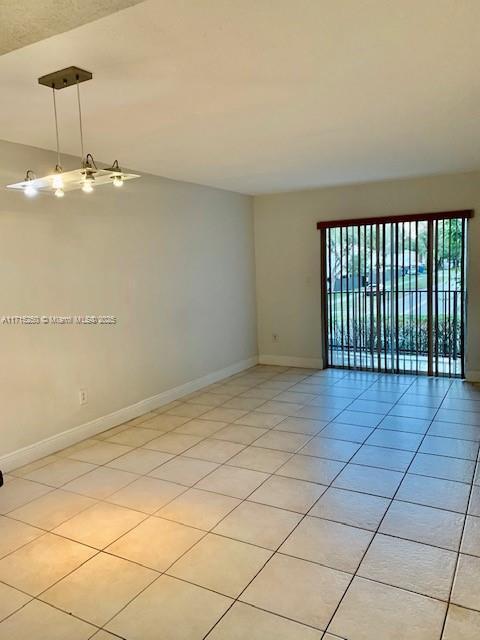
{"points": [[72, 180], [57, 182], [30, 191]]}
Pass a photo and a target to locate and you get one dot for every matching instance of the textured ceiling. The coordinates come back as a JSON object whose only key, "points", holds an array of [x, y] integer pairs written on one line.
{"points": [[262, 95], [25, 21]]}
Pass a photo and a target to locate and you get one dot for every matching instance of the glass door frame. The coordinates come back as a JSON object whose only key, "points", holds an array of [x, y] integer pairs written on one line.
{"points": [[434, 222]]}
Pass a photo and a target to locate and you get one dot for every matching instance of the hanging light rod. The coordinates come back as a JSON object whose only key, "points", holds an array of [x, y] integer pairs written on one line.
{"points": [[88, 176]]}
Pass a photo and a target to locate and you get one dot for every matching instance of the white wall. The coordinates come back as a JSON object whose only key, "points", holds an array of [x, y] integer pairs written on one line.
{"points": [[287, 248], [173, 261]]}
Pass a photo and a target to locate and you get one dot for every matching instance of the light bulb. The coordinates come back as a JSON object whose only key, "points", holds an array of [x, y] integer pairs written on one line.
{"points": [[30, 191], [59, 193], [87, 186], [117, 181], [57, 181]]}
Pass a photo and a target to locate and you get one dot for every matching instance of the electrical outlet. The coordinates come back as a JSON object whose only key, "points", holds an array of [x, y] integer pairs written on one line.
{"points": [[275, 337], [82, 394]]}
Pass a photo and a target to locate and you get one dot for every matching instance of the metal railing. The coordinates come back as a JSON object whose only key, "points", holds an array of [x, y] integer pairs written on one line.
{"points": [[403, 325]]}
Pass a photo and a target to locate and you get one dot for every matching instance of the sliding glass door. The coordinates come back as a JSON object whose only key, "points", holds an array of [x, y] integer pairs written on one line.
{"points": [[393, 293]]}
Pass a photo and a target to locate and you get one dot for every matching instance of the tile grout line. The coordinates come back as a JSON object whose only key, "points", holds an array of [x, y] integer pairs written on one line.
{"points": [[375, 534], [459, 552], [184, 452], [212, 436], [210, 531], [237, 599], [206, 533], [271, 474], [147, 475], [102, 551], [105, 465]]}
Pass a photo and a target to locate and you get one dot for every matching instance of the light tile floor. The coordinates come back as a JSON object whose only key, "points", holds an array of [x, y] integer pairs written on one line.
{"points": [[280, 504]]}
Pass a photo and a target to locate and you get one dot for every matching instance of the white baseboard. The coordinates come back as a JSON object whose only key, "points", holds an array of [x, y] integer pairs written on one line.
{"points": [[472, 376], [88, 429], [292, 361]]}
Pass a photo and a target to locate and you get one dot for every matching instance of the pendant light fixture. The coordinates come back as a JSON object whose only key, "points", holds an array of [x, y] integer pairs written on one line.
{"points": [[88, 176]]}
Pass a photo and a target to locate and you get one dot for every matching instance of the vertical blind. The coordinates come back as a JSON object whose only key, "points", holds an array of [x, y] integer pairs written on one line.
{"points": [[393, 293]]}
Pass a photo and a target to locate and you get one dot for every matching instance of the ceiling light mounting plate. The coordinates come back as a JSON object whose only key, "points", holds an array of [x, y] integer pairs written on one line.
{"points": [[65, 78]]}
